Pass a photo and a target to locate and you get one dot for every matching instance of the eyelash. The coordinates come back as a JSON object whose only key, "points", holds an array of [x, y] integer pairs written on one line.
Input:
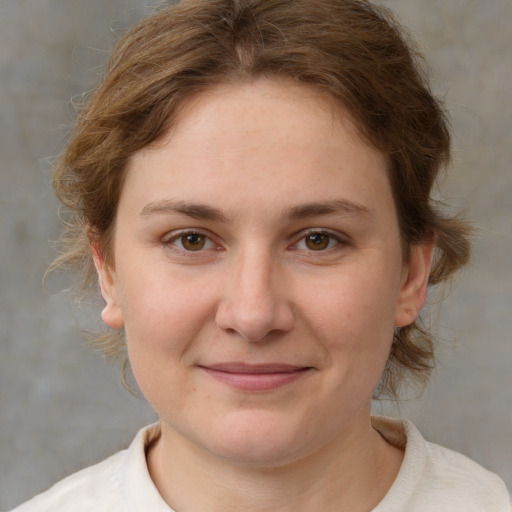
{"points": [[170, 241], [332, 237], [333, 240]]}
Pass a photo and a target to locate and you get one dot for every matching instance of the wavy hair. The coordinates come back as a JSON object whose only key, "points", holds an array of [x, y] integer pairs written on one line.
{"points": [[352, 50]]}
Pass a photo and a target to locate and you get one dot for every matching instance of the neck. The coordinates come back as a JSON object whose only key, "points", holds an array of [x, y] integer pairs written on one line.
{"points": [[351, 472]]}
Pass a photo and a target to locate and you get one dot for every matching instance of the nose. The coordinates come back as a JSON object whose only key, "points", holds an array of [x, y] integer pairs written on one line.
{"points": [[254, 304]]}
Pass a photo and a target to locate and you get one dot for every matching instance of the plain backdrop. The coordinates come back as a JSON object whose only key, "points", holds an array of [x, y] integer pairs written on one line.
{"points": [[62, 408]]}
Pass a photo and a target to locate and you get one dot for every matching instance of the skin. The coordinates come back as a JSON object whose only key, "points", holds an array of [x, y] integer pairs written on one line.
{"points": [[262, 232]]}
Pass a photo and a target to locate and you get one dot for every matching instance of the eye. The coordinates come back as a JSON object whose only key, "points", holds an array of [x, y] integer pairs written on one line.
{"points": [[190, 242], [317, 241]]}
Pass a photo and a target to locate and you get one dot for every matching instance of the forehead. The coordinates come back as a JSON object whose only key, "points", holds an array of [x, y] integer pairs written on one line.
{"points": [[257, 141], [282, 110]]}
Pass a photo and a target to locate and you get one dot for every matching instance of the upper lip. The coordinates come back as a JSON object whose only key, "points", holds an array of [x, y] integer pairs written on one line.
{"points": [[237, 367]]}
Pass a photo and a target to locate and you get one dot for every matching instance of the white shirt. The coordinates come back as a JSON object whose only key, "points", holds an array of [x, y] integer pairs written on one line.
{"points": [[431, 479]]}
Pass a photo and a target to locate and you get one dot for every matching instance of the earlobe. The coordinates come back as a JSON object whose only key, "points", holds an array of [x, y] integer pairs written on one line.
{"points": [[413, 292], [111, 313]]}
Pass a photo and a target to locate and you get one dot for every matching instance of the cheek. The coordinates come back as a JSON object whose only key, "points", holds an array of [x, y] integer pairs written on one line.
{"points": [[354, 316], [161, 329], [163, 318], [162, 309]]}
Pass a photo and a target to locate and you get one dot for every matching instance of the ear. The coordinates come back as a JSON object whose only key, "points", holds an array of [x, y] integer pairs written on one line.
{"points": [[111, 314], [413, 292]]}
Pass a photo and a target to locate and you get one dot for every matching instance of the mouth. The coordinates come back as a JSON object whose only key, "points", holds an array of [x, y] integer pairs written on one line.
{"points": [[259, 377]]}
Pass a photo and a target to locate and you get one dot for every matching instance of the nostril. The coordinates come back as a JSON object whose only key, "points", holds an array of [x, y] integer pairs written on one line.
{"points": [[253, 323]]}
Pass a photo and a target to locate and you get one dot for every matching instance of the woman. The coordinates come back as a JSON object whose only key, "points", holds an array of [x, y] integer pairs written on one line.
{"points": [[251, 184]]}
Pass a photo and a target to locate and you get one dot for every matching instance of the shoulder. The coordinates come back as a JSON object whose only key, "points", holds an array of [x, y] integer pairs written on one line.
{"points": [[80, 491], [433, 478], [465, 479], [119, 483]]}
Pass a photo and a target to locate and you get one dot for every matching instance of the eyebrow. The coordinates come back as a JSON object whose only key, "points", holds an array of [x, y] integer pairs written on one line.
{"points": [[337, 206], [194, 210], [201, 211]]}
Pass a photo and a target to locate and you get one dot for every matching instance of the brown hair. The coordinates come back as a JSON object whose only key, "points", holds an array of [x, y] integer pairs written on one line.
{"points": [[350, 49]]}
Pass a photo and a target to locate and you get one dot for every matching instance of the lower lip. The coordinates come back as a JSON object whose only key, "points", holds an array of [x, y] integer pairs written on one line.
{"points": [[256, 381]]}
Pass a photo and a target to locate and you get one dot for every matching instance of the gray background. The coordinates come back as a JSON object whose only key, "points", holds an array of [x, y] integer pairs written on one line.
{"points": [[62, 408]]}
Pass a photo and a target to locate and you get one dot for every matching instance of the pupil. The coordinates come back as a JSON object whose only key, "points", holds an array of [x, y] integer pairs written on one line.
{"points": [[193, 242], [317, 241]]}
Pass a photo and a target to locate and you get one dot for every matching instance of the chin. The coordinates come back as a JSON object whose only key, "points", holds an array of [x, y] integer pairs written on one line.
{"points": [[259, 443], [259, 453]]}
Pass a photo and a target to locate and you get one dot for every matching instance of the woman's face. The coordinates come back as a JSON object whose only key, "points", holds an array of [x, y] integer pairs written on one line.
{"points": [[258, 273]]}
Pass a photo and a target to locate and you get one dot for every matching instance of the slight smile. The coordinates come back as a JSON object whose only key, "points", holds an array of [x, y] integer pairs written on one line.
{"points": [[260, 377]]}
